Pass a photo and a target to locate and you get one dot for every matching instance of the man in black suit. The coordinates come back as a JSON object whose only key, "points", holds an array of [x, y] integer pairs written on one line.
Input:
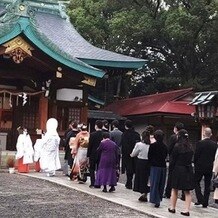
{"points": [[203, 160], [128, 141], [94, 142], [116, 134]]}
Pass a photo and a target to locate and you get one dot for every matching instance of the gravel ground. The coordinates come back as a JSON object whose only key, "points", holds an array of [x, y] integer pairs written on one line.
{"points": [[25, 197]]}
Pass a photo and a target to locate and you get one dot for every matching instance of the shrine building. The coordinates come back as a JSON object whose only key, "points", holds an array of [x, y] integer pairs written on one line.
{"points": [[47, 69]]}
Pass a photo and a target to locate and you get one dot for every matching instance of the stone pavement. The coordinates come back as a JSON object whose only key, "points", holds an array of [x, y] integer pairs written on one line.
{"points": [[128, 198]]}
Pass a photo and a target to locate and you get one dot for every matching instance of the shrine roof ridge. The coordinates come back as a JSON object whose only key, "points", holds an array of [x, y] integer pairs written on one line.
{"points": [[58, 36]]}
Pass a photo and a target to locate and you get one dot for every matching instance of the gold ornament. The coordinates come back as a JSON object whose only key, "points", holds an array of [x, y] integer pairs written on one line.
{"points": [[18, 49]]}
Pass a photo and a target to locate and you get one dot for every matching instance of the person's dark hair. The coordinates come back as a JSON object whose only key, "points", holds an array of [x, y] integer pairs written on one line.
{"points": [[179, 126], [146, 137], [70, 122], [183, 140], [106, 135], [105, 124], [74, 124], [183, 135], [20, 129], [159, 135], [83, 127], [128, 124], [150, 129], [99, 124], [115, 123]]}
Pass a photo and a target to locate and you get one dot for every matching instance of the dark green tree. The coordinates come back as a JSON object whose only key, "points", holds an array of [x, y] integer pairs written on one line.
{"points": [[178, 38]]}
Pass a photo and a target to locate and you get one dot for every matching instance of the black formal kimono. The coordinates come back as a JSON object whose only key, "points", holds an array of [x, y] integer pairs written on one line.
{"points": [[68, 155]]}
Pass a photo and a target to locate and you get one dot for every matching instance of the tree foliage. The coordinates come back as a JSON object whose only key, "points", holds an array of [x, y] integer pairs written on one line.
{"points": [[179, 38]]}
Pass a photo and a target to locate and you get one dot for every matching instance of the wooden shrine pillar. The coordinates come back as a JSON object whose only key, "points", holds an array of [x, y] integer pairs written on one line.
{"points": [[84, 109], [43, 112], [84, 114]]}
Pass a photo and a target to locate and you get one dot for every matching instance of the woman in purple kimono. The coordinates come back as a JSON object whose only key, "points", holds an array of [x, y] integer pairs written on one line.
{"points": [[108, 165]]}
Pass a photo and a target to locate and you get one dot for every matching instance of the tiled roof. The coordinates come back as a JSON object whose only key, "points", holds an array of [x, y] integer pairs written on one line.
{"points": [[1, 9], [66, 37], [16, 23], [172, 102], [52, 27], [104, 115]]}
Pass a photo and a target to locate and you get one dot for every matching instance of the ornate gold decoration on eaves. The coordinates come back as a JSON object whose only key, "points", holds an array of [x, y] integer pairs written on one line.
{"points": [[89, 81], [18, 49]]}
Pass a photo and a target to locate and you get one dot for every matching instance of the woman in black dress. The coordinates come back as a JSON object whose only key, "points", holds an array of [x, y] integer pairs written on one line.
{"points": [[182, 174]]}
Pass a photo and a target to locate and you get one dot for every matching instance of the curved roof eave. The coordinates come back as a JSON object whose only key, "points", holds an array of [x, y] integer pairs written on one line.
{"points": [[117, 64], [23, 26], [63, 33]]}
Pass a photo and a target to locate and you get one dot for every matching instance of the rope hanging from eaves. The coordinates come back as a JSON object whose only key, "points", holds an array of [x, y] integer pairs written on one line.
{"points": [[23, 95]]}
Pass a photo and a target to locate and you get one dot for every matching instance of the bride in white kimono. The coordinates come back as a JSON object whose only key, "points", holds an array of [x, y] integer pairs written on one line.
{"points": [[49, 155], [37, 153]]}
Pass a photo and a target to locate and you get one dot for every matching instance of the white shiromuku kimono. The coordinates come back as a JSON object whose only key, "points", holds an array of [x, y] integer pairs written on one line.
{"points": [[49, 153], [25, 148], [37, 149]]}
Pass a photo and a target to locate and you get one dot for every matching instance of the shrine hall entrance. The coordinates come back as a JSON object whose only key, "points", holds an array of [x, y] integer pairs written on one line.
{"points": [[32, 112], [14, 114]]}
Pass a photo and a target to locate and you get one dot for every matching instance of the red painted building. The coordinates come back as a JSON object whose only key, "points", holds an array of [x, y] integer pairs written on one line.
{"points": [[161, 110]]}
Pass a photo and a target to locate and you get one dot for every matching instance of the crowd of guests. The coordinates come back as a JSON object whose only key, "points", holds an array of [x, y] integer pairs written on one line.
{"points": [[143, 159]]}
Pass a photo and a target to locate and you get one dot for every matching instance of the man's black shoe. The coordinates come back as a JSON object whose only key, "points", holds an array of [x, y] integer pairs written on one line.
{"points": [[204, 206], [197, 204], [143, 198], [128, 187], [157, 205]]}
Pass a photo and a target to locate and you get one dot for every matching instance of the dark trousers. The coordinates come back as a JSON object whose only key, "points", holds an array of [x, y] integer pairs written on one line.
{"points": [[142, 174], [129, 176], [93, 165], [92, 176], [203, 198], [157, 180]]}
